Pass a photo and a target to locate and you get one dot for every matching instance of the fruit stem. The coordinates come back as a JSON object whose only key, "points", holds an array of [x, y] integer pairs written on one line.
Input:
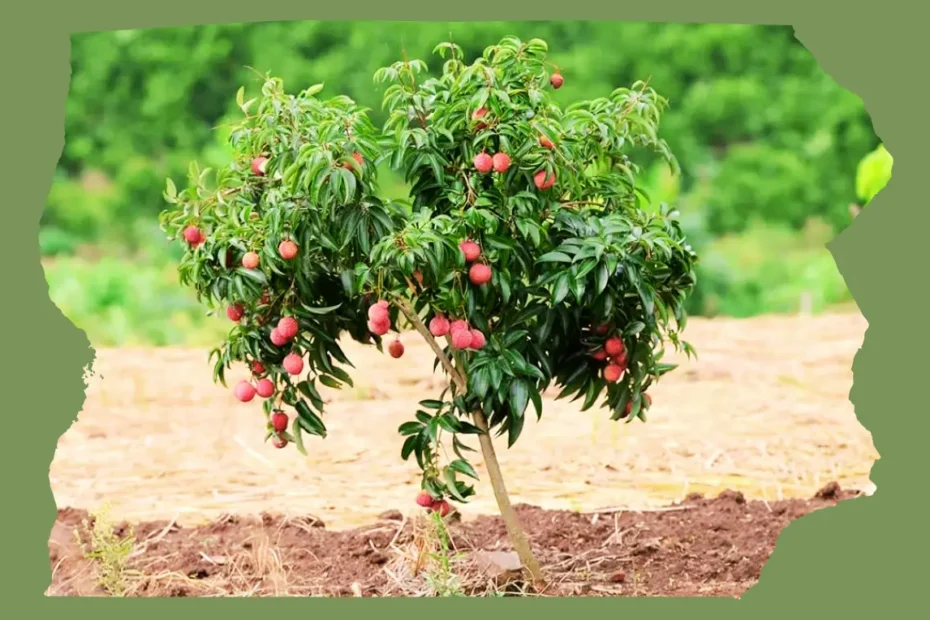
{"points": [[512, 522]]}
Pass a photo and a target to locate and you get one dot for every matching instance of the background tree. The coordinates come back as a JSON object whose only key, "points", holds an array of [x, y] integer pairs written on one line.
{"points": [[527, 255]]}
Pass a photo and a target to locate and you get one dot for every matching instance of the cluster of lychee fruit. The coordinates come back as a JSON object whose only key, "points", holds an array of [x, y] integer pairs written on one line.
{"points": [[379, 323], [479, 274], [245, 391], [614, 353], [425, 500], [459, 333], [484, 163]]}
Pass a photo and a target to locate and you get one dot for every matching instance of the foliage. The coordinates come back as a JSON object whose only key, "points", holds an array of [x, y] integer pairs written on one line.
{"points": [[121, 303], [873, 173], [768, 269], [752, 114], [566, 256]]}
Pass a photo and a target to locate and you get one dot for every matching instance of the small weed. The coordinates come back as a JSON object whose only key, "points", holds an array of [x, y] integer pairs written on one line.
{"points": [[439, 576], [108, 552]]}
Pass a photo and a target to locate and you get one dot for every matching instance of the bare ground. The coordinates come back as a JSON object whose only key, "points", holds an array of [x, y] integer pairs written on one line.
{"points": [[764, 411]]}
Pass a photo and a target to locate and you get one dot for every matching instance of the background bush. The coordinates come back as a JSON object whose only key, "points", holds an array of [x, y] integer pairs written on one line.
{"points": [[769, 147]]}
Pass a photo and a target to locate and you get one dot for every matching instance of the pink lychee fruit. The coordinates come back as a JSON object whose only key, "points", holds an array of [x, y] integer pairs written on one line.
{"points": [[293, 364], [244, 391]]}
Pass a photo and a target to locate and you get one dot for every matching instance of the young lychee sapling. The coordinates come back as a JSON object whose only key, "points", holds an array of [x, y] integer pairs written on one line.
{"points": [[520, 264]]}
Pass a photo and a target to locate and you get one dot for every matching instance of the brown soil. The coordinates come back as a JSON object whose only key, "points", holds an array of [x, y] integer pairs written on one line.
{"points": [[699, 547]]}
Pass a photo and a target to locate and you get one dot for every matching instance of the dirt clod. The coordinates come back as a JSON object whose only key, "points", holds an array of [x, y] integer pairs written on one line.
{"points": [[829, 491], [733, 496]]}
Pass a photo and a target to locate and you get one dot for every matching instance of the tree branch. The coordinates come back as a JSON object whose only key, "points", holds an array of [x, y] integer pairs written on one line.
{"points": [[457, 378]]}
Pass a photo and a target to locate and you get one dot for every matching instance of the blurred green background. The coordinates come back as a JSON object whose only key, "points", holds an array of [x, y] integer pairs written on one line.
{"points": [[769, 146]]}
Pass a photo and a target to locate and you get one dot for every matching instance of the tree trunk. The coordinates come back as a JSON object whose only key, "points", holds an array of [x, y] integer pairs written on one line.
{"points": [[514, 530]]}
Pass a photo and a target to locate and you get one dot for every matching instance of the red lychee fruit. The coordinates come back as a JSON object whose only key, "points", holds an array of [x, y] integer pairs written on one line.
{"points": [[442, 507], [244, 391], [461, 339], [279, 442], [277, 339], [259, 165], [483, 163], [257, 367], [479, 113], [501, 162], [556, 80], [602, 329], [600, 355], [264, 388], [287, 249], [250, 260], [293, 364], [396, 349], [380, 327], [546, 143], [612, 373], [279, 421], [439, 326], [542, 181], [288, 327], [424, 499], [471, 250], [477, 340], [614, 346], [266, 298], [457, 325], [378, 312], [479, 274], [235, 312], [193, 236]]}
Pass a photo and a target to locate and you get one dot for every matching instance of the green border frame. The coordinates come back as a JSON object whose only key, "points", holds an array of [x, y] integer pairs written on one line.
{"points": [[852, 559]]}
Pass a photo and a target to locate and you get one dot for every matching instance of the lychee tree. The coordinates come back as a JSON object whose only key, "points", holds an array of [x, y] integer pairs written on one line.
{"points": [[527, 256]]}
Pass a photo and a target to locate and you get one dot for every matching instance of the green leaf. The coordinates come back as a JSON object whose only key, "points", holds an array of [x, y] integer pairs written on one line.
{"points": [[309, 420], [451, 486], [330, 382], [409, 446], [519, 396], [409, 428], [562, 289], [343, 376], [554, 257], [537, 403], [326, 310], [296, 431], [514, 429], [479, 380], [463, 467]]}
